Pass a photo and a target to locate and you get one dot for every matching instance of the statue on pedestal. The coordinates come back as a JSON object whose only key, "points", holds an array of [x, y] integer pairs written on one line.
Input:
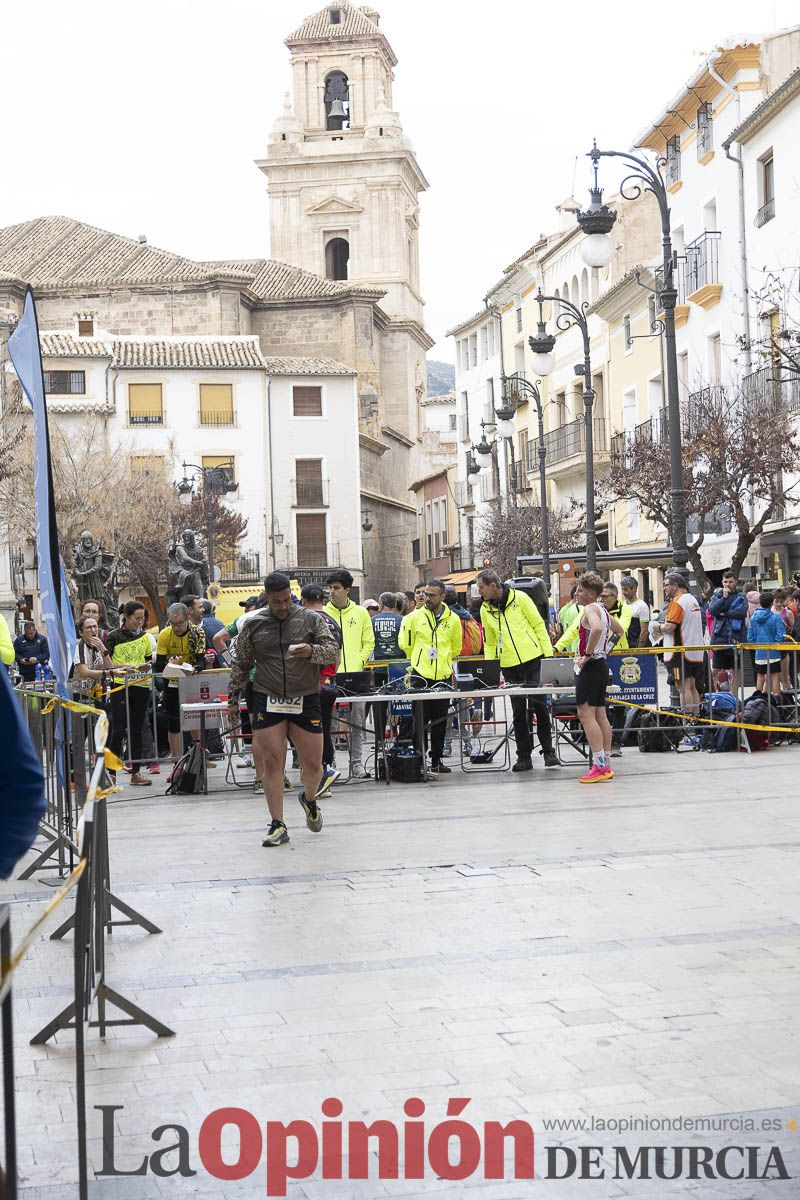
{"points": [[92, 571], [188, 569]]}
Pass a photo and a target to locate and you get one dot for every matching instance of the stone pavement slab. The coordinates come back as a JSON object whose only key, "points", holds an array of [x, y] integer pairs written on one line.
{"points": [[548, 950]]}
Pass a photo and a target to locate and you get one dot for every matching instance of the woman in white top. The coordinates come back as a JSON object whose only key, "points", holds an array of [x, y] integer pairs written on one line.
{"points": [[91, 660]]}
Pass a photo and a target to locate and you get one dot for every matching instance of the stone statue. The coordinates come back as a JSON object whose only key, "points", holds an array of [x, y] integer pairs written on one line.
{"points": [[188, 569], [92, 571]]}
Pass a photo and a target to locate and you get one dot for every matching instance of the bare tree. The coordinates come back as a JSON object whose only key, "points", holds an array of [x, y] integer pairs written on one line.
{"points": [[739, 450], [512, 529]]}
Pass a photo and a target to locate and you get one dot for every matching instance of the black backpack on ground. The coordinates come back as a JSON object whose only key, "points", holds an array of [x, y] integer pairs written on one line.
{"points": [[186, 773], [659, 732]]}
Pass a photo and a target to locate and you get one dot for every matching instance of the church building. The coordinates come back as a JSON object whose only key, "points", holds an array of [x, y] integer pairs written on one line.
{"points": [[338, 298]]}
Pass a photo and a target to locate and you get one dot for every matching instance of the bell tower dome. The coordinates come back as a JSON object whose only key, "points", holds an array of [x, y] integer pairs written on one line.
{"points": [[342, 177]]}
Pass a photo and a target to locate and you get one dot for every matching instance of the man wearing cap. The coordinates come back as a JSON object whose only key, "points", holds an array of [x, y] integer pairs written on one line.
{"points": [[371, 606]]}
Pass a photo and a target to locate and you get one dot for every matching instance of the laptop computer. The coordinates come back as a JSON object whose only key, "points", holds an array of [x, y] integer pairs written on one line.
{"points": [[486, 671], [354, 682]]}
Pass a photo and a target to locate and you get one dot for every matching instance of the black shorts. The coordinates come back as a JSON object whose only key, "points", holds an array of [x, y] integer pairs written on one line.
{"points": [[309, 719], [591, 683], [773, 668], [689, 670], [172, 708], [722, 660]]}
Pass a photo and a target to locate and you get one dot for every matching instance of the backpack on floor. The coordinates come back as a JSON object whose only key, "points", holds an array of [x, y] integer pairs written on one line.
{"points": [[186, 774], [756, 712], [659, 732], [719, 706]]}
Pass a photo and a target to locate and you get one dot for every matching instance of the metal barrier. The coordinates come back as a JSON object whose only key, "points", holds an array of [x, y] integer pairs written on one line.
{"points": [[90, 922], [8, 1177]]}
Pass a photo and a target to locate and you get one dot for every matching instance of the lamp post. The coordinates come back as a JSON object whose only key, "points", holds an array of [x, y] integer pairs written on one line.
{"points": [[597, 250], [518, 383], [216, 481], [543, 363]]}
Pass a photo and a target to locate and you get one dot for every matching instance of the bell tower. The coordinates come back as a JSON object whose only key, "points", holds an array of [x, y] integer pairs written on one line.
{"points": [[342, 177]]}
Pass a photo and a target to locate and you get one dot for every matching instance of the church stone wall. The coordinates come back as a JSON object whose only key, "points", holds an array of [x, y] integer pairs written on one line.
{"points": [[160, 311]]}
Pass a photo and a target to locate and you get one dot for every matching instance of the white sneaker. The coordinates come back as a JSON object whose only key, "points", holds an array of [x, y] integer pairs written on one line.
{"points": [[357, 771]]}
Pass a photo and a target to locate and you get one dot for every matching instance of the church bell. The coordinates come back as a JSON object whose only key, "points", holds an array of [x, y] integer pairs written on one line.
{"points": [[337, 109]]}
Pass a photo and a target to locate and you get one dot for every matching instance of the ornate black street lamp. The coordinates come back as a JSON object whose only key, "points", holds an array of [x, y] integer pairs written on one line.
{"points": [[543, 363], [518, 383], [216, 481], [597, 250]]}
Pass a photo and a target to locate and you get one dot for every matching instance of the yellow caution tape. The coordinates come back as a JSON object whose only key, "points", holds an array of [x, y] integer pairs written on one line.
{"points": [[690, 718]]}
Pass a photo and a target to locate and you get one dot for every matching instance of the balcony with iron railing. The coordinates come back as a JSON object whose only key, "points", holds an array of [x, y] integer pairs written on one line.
{"points": [[566, 443], [672, 172], [515, 394], [310, 493], [624, 445], [701, 270], [217, 418], [705, 134], [765, 213], [244, 567], [154, 417], [678, 282]]}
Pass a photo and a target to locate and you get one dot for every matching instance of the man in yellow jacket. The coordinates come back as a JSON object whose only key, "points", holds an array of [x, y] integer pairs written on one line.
{"points": [[431, 639], [515, 632], [358, 642]]}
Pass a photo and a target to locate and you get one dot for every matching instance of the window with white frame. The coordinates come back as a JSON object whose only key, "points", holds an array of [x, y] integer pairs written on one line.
{"points": [[633, 519]]}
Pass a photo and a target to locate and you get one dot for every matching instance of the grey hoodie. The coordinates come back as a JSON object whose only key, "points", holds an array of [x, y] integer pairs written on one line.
{"points": [[263, 643]]}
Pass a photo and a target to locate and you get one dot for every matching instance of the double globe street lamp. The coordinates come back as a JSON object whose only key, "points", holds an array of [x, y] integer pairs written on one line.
{"points": [[597, 251], [514, 384], [216, 481]]}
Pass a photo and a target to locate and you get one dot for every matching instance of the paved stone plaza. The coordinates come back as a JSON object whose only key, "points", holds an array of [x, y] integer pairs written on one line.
{"points": [[545, 949]]}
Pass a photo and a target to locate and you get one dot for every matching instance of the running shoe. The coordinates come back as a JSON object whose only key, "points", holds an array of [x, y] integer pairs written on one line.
{"points": [[313, 814], [597, 774], [329, 777], [288, 786], [154, 769], [276, 835], [357, 771]]}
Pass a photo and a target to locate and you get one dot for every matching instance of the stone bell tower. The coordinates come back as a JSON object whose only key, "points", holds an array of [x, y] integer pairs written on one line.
{"points": [[343, 179], [344, 186]]}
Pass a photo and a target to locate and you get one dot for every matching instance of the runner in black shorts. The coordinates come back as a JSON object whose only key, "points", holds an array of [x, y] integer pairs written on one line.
{"points": [[286, 645], [309, 719], [597, 632]]}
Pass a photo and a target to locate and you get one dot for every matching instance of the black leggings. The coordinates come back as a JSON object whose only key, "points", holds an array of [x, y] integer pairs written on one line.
{"points": [[138, 698], [528, 674]]}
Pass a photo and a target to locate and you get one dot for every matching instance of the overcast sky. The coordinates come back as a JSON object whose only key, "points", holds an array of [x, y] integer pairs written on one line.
{"points": [[146, 117]]}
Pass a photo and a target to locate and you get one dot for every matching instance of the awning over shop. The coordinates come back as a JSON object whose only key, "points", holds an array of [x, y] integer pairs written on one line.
{"points": [[461, 579]]}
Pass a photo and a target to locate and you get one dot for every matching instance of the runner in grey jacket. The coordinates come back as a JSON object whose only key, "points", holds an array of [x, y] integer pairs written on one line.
{"points": [[285, 646]]}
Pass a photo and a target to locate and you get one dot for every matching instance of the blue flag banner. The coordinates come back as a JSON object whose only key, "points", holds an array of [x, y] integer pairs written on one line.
{"points": [[26, 356], [636, 676]]}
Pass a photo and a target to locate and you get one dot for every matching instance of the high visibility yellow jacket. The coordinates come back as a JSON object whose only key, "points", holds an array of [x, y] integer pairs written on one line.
{"points": [[358, 636], [515, 634], [421, 633]]}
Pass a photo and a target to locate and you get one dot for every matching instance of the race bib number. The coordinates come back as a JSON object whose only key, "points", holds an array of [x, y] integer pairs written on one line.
{"points": [[285, 704]]}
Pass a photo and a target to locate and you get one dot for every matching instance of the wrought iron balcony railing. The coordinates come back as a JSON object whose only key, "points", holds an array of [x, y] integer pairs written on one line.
{"points": [[567, 441], [702, 262]]}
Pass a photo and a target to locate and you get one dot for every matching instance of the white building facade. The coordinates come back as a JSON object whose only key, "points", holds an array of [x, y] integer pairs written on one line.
{"points": [[283, 430]]}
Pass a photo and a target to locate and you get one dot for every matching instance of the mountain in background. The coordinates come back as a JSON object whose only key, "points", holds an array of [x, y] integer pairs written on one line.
{"points": [[441, 378]]}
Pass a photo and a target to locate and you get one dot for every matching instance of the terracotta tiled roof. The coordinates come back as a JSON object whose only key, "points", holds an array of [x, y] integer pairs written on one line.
{"points": [[353, 23], [204, 353], [307, 366], [64, 345], [197, 353], [61, 253], [242, 354]]}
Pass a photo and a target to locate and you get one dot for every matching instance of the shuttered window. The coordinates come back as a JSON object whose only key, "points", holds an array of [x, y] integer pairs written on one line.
{"points": [[307, 401], [312, 549], [145, 404], [310, 492], [216, 404]]}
